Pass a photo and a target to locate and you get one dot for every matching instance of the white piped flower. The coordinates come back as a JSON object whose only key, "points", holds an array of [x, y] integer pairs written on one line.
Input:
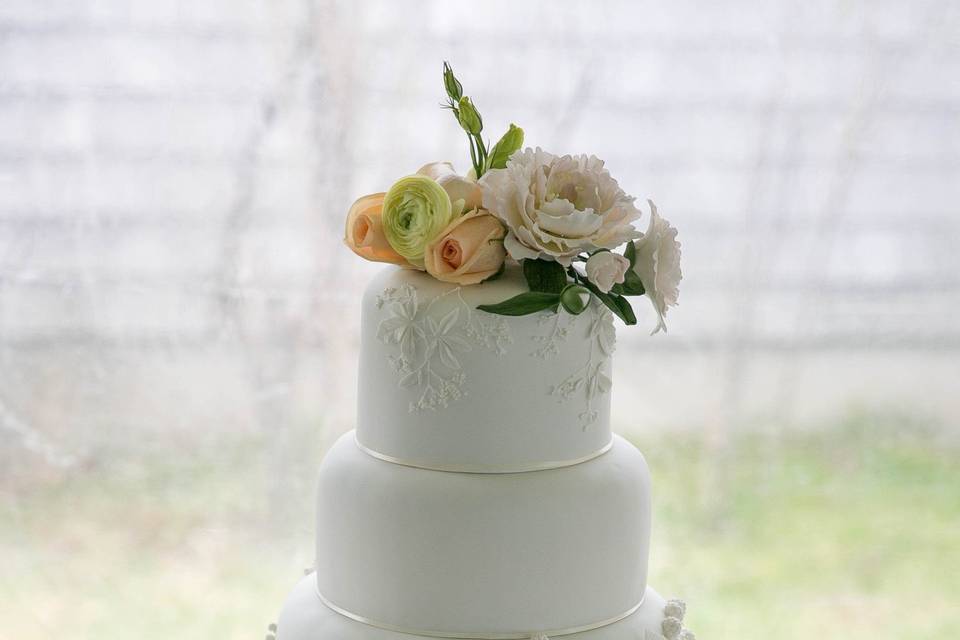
{"points": [[658, 265], [556, 207], [671, 628], [686, 634], [675, 609], [606, 268]]}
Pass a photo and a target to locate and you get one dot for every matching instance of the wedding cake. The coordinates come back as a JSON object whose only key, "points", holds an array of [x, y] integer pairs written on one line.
{"points": [[482, 493]]}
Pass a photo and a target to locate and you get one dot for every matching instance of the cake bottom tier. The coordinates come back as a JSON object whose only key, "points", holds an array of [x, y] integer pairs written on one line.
{"points": [[306, 617]]}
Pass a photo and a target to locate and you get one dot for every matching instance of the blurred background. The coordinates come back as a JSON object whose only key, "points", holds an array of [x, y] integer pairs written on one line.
{"points": [[179, 319]]}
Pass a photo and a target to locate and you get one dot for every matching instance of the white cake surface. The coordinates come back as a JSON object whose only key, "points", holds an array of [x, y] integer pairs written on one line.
{"points": [[446, 386], [456, 553], [305, 617]]}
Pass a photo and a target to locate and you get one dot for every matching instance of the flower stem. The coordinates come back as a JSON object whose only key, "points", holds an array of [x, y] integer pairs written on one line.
{"points": [[477, 166], [482, 151], [480, 159]]}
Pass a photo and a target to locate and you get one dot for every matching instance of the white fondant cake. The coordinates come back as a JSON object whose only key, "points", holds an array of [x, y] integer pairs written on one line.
{"points": [[305, 617], [482, 494], [455, 552], [445, 386]]}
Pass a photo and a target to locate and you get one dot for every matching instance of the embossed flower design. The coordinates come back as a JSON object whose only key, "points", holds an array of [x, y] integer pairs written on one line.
{"points": [[590, 379], [402, 329], [444, 341], [429, 346], [602, 329]]}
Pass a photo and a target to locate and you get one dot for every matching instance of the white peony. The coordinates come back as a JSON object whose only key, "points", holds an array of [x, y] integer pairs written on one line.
{"points": [[658, 265], [557, 207], [606, 268], [457, 187]]}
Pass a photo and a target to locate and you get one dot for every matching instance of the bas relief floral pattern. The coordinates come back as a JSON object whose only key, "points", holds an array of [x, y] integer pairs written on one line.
{"points": [[430, 347], [590, 380]]}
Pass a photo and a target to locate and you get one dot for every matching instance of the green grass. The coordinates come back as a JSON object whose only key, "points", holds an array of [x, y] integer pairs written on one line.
{"points": [[851, 532]]}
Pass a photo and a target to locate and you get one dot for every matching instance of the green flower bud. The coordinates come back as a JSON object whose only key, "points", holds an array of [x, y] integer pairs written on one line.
{"points": [[575, 298], [469, 118], [451, 84], [511, 141], [415, 210]]}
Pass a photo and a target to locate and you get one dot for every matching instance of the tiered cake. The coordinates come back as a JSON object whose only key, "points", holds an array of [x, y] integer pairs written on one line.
{"points": [[482, 494]]}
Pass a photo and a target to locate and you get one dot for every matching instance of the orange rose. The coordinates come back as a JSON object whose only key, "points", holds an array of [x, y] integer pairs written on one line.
{"points": [[365, 235], [468, 251]]}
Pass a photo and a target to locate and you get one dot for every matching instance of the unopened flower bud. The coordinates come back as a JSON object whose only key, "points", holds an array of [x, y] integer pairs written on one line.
{"points": [[451, 84], [469, 118], [575, 298]]}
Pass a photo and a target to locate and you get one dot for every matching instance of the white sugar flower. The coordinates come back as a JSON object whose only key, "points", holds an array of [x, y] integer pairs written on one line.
{"points": [[658, 265], [675, 609], [606, 268], [557, 207], [671, 628]]}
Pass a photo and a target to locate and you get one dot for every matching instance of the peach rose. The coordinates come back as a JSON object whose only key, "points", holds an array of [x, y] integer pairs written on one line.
{"points": [[364, 234], [468, 251], [456, 186]]}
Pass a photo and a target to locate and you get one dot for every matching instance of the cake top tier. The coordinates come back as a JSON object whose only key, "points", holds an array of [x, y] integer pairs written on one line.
{"points": [[446, 386], [467, 368]]}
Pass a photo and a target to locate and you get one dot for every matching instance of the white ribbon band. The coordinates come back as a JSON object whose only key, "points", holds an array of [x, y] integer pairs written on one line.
{"points": [[476, 635], [484, 468]]}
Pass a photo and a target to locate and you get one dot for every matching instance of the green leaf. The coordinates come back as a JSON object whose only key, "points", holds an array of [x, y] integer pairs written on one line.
{"points": [[523, 304], [632, 285], [626, 311], [630, 253], [575, 298], [495, 276], [505, 147], [619, 305], [544, 275]]}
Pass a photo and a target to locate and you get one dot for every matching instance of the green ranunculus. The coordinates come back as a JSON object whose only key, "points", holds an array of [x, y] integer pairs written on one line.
{"points": [[415, 210]]}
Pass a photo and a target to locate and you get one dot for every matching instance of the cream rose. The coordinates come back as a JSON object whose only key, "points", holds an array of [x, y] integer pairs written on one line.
{"points": [[558, 207], [658, 265], [468, 251], [606, 268], [457, 187], [364, 233]]}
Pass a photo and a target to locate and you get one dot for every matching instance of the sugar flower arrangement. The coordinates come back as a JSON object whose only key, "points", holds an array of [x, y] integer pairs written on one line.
{"points": [[563, 218]]}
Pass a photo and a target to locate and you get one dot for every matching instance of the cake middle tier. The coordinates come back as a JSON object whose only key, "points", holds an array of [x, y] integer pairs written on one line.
{"points": [[446, 386], [461, 553]]}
